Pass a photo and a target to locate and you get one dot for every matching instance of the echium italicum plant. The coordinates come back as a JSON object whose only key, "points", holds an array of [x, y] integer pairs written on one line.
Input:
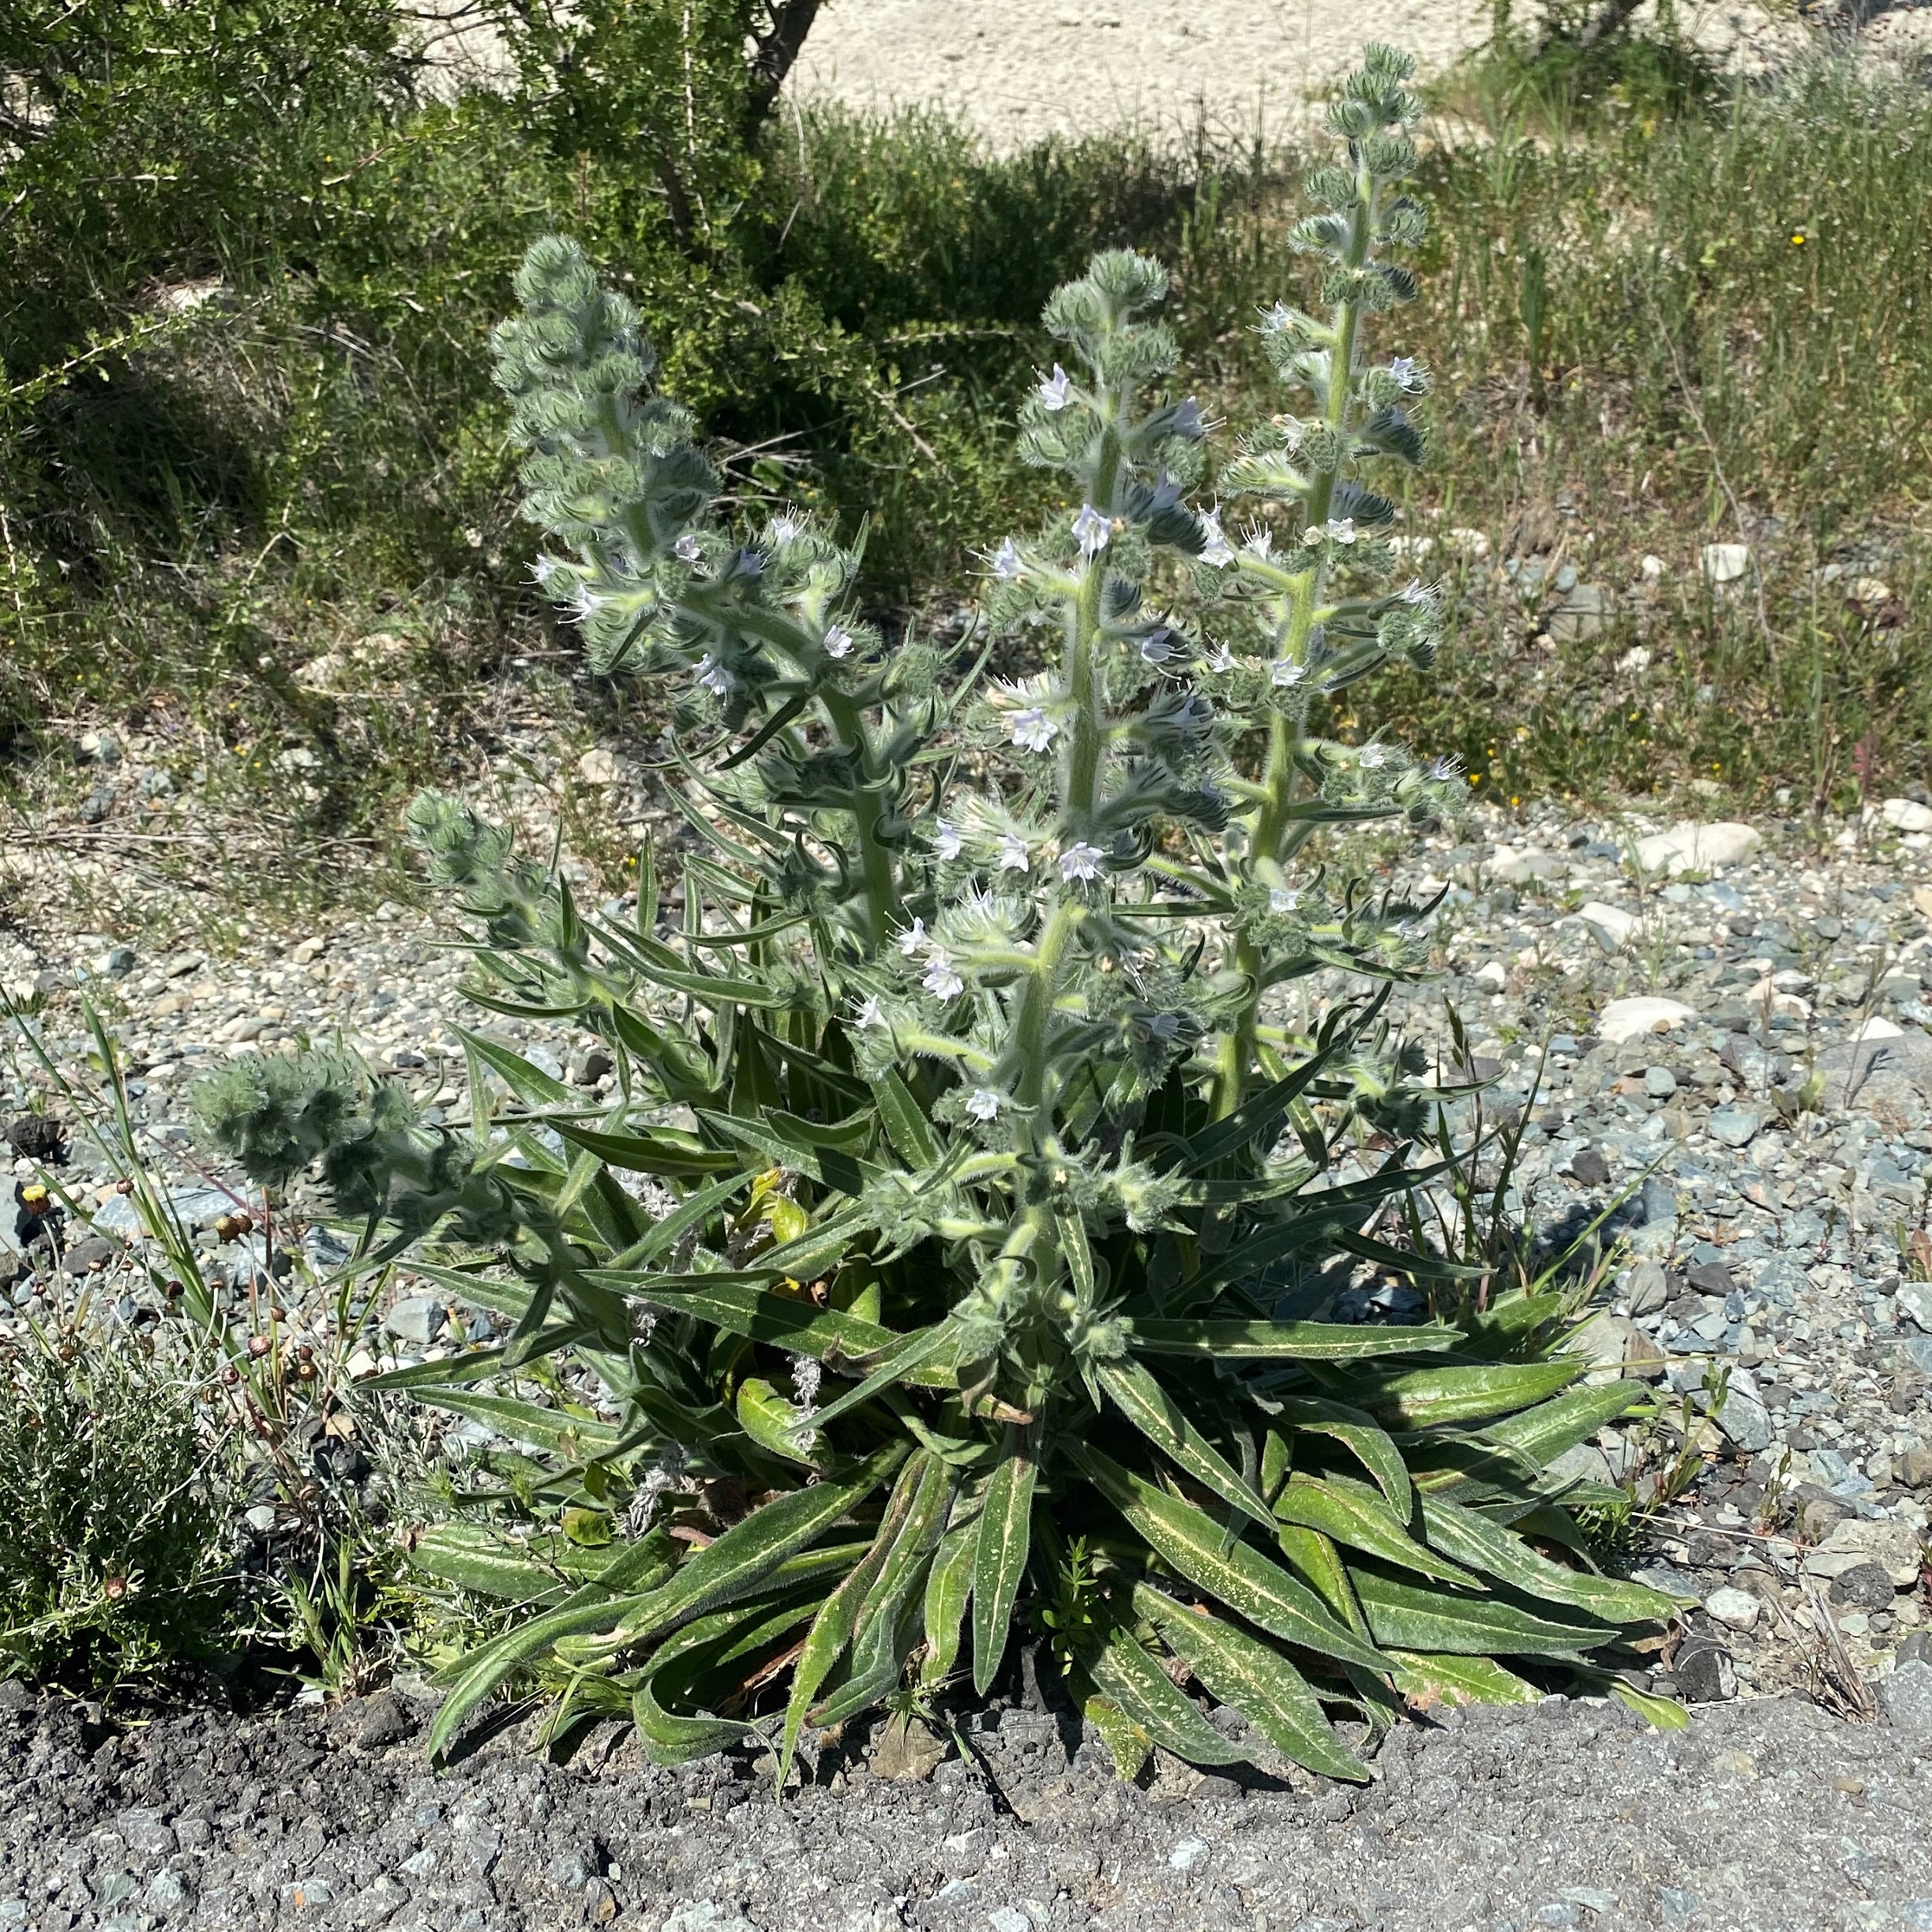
{"points": [[952, 1252]]}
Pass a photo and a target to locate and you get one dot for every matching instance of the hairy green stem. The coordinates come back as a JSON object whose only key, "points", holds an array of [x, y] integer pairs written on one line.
{"points": [[1271, 841]]}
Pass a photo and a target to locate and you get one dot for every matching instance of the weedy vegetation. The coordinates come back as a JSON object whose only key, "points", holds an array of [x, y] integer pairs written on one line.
{"points": [[1003, 1092], [247, 421]]}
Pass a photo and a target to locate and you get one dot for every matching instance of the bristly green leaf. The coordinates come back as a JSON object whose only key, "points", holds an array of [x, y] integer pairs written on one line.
{"points": [[1285, 1341], [1407, 1617], [1240, 1577], [1258, 1681], [1129, 1745], [1357, 1516], [1141, 1398], [1124, 1670], [949, 1584], [1426, 1681], [1425, 1398], [999, 1555]]}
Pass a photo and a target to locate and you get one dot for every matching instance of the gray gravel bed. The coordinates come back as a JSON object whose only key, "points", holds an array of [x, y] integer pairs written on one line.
{"points": [[1769, 1816]]}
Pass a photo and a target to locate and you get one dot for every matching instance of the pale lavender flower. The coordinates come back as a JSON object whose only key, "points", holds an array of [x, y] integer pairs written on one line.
{"points": [[1187, 418], [947, 840], [913, 938], [1341, 530], [1413, 592], [1372, 757], [1013, 854], [1033, 730], [1217, 551], [1155, 647], [1285, 675], [1007, 567], [546, 568], [1081, 860], [1279, 320], [1443, 769], [587, 602], [940, 980], [983, 1104], [1166, 494], [869, 1014], [1407, 376], [1259, 542], [1091, 530], [713, 676], [689, 548], [837, 641], [784, 529], [1222, 660], [1283, 899], [1054, 391]]}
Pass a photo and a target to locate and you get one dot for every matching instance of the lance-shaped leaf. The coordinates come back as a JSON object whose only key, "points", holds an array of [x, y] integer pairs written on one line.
{"points": [[1124, 1670], [1542, 1434], [1126, 1743], [662, 1151], [831, 1629], [1355, 1515], [1425, 1398], [1407, 1616], [999, 1554], [1235, 1575], [1141, 1398], [629, 1581], [1428, 1680], [1363, 1437], [949, 1584], [1488, 1547], [1258, 1681], [475, 1557], [670, 1738], [1284, 1342], [554, 1429]]}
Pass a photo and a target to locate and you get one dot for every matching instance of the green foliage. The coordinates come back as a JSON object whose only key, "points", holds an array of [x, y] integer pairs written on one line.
{"points": [[115, 1562], [969, 1063]]}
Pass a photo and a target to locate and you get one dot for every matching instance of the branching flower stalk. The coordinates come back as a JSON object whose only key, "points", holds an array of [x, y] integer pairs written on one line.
{"points": [[984, 1143]]}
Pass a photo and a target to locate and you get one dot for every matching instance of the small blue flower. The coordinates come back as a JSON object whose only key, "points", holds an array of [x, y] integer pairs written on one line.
{"points": [[1091, 530], [940, 980], [983, 1104], [1033, 730], [1054, 391], [689, 548], [1081, 860], [1007, 566], [837, 641], [946, 839]]}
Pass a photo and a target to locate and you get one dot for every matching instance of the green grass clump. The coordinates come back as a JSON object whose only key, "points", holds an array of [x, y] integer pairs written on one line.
{"points": [[118, 1561]]}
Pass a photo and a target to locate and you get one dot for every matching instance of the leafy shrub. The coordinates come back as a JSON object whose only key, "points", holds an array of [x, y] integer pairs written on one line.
{"points": [[952, 1257], [115, 1562]]}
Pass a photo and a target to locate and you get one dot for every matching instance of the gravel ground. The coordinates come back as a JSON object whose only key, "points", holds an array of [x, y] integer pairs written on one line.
{"points": [[1019, 72], [1770, 1816]]}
